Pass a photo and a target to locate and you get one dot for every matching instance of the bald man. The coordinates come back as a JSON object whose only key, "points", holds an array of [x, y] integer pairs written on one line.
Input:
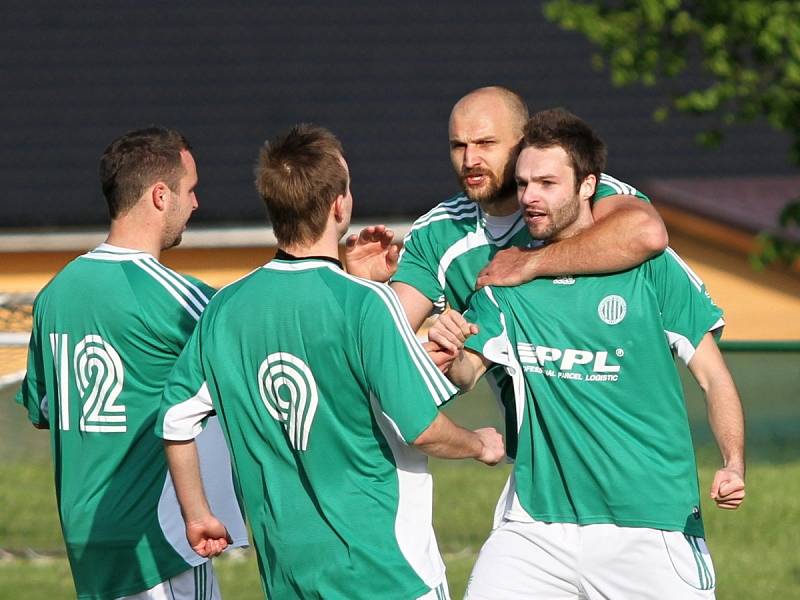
{"points": [[451, 244]]}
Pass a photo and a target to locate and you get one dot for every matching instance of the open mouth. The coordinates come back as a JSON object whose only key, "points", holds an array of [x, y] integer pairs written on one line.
{"points": [[535, 216], [474, 178]]}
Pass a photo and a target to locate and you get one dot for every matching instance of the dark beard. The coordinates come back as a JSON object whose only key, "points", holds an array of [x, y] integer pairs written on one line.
{"points": [[496, 191]]}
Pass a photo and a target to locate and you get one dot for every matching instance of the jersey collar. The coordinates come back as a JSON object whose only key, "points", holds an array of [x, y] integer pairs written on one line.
{"points": [[283, 255]]}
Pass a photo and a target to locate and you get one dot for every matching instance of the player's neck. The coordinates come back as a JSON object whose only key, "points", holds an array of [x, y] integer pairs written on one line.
{"points": [[502, 207], [327, 245], [123, 235]]}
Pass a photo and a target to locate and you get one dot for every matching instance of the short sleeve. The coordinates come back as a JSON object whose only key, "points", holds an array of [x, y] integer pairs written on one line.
{"points": [[687, 310], [404, 381], [491, 341], [33, 393], [186, 402], [610, 186], [419, 264]]}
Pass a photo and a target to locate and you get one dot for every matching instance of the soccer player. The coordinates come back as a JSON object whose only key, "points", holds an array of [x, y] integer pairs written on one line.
{"points": [[327, 400], [603, 500], [106, 332], [448, 246]]}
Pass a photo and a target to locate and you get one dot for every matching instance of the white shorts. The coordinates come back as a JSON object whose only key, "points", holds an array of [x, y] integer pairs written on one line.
{"points": [[198, 583], [566, 561]]}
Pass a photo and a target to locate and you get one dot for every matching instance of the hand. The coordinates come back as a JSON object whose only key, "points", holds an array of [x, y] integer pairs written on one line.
{"points": [[371, 254], [511, 266], [208, 536], [450, 331], [494, 450], [442, 358], [727, 489]]}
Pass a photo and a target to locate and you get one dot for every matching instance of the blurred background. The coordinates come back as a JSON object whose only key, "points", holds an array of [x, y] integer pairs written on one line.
{"points": [[697, 102]]}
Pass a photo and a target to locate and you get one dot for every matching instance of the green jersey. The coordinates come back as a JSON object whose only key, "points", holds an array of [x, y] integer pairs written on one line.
{"points": [[106, 333], [603, 434], [320, 385], [448, 246]]}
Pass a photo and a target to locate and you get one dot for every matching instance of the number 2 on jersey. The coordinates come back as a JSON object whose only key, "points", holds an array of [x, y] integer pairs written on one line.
{"points": [[99, 377]]}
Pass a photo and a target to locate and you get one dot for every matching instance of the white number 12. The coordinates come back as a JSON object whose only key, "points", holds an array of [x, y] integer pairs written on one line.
{"points": [[99, 377]]}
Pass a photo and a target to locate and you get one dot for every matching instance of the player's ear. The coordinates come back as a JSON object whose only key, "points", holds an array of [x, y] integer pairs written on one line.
{"points": [[338, 208], [588, 186], [159, 195]]}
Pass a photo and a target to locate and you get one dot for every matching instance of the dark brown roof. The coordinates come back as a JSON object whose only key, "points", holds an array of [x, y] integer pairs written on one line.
{"points": [[381, 75], [748, 203]]}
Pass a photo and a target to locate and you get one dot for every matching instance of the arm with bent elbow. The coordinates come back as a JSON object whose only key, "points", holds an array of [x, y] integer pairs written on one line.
{"points": [[626, 232], [445, 439]]}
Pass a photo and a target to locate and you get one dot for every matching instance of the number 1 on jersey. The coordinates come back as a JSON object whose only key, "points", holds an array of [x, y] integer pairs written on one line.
{"points": [[99, 377]]}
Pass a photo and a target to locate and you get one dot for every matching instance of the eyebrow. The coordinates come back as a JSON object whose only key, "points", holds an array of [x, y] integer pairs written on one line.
{"points": [[538, 177], [487, 138]]}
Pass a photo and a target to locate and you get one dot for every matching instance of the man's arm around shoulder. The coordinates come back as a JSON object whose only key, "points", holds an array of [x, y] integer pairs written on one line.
{"points": [[627, 231]]}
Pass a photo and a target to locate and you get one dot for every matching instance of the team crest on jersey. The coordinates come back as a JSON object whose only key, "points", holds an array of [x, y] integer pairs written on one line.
{"points": [[612, 309], [564, 280]]}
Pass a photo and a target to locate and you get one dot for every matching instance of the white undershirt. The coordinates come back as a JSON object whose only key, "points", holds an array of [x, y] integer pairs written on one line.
{"points": [[499, 226]]}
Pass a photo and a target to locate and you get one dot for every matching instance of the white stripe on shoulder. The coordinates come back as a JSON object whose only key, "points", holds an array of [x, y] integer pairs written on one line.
{"points": [[445, 216], [438, 385], [620, 186], [147, 267], [454, 204], [192, 292], [693, 277]]}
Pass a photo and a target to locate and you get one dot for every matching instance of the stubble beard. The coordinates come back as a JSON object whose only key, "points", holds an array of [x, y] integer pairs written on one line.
{"points": [[175, 241], [558, 221]]}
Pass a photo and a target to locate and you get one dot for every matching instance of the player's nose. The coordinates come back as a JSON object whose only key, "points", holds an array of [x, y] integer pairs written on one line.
{"points": [[472, 156]]}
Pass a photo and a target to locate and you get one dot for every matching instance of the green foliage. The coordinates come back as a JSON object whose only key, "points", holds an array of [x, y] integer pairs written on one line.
{"points": [[782, 246], [748, 51]]}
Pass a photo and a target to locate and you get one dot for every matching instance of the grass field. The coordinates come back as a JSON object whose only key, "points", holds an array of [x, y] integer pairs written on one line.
{"points": [[754, 549]]}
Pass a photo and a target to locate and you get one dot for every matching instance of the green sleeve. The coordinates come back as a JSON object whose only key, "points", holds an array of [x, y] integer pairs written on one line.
{"points": [[207, 290], [170, 303], [33, 393], [687, 310], [419, 264], [491, 341], [406, 384], [610, 186], [186, 402]]}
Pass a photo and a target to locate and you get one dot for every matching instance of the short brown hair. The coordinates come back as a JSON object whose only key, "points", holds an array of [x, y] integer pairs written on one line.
{"points": [[298, 175], [137, 160], [559, 127]]}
